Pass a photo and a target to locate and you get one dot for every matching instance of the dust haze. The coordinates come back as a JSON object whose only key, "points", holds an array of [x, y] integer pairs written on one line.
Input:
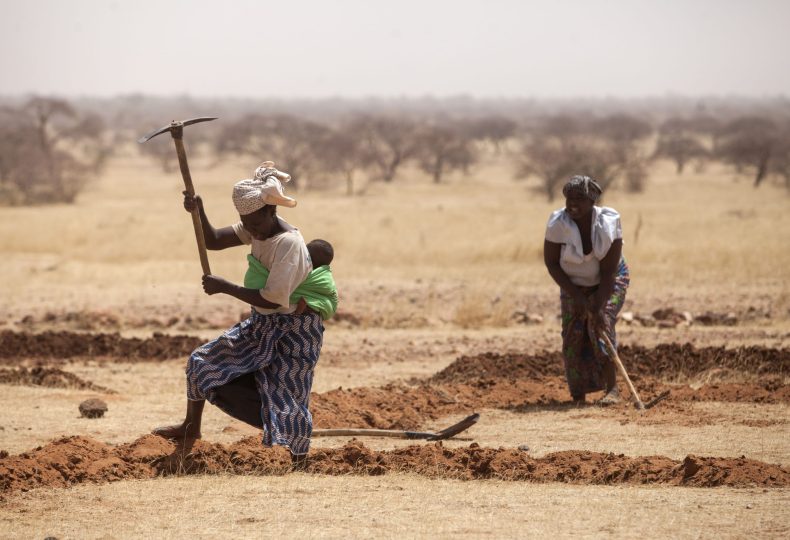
{"points": [[429, 142]]}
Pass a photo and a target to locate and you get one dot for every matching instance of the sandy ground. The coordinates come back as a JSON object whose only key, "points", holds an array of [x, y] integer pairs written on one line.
{"points": [[149, 394], [395, 506], [406, 315]]}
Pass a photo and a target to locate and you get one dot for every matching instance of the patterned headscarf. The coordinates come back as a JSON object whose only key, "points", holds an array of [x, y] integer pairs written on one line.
{"points": [[584, 185], [252, 194]]}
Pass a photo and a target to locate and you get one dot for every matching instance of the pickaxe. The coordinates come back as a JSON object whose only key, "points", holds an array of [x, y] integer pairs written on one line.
{"points": [[176, 129]]}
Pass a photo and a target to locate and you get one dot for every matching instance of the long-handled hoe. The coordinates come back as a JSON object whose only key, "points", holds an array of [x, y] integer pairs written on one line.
{"points": [[616, 358], [445, 433], [240, 399]]}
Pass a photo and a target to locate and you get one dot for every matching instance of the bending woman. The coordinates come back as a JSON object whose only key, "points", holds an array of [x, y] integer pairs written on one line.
{"points": [[583, 254]]}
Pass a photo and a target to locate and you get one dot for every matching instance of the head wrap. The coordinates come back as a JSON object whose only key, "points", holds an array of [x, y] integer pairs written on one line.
{"points": [[252, 194], [266, 169], [584, 185]]}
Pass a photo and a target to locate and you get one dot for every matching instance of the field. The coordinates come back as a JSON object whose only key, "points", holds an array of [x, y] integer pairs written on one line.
{"points": [[446, 309]]}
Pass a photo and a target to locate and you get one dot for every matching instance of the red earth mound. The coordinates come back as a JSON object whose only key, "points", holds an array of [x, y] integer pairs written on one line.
{"points": [[75, 460], [403, 407], [110, 321], [70, 344], [521, 382], [49, 377], [666, 361], [505, 381]]}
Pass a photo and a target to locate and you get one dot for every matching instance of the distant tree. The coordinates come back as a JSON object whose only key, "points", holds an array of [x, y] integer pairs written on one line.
{"points": [[19, 166], [442, 149], [162, 151], [48, 151], [495, 129], [780, 156], [679, 141], [555, 160], [563, 127], [287, 140], [548, 159], [622, 129], [681, 149], [338, 151], [387, 143], [563, 146], [624, 135], [748, 142], [702, 125], [635, 174]]}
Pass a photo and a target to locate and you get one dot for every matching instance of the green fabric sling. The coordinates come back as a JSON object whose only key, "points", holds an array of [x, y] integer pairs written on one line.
{"points": [[318, 289]]}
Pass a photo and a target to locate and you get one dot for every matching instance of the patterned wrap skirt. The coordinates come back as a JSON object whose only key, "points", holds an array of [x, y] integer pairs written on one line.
{"points": [[584, 358], [281, 351]]}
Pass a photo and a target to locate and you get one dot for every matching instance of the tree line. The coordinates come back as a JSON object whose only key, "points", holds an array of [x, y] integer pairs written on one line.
{"points": [[50, 149]]}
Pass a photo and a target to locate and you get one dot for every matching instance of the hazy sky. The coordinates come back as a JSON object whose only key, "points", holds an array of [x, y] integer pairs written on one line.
{"points": [[353, 48]]}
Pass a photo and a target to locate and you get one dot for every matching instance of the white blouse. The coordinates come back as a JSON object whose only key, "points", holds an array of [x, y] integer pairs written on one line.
{"points": [[584, 270]]}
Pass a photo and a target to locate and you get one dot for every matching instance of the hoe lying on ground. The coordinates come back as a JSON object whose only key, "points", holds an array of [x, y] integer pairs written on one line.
{"points": [[241, 400]]}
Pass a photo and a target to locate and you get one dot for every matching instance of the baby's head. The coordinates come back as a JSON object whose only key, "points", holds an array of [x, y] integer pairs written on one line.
{"points": [[321, 252]]}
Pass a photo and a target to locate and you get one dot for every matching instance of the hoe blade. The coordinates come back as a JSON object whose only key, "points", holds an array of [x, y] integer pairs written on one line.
{"points": [[455, 429]]}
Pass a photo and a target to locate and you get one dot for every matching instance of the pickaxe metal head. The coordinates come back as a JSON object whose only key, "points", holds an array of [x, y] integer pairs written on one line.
{"points": [[175, 128]]}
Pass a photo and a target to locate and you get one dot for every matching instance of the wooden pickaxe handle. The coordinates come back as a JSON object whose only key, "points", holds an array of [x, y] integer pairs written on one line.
{"points": [[616, 358], [196, 223], [176, 129]]}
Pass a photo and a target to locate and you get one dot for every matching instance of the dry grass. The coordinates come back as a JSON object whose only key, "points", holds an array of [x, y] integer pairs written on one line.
{"points": [[127, 242], [427, 264], [298, 506]]}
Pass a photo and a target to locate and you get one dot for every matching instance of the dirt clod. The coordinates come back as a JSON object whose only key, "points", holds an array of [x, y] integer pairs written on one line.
{"points": [[47, 376], [93, 408]]}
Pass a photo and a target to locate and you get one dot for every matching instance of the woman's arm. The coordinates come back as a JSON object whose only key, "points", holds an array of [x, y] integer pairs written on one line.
{"points": [[216, 239], [609, 265], [290, 267], [551, 257], [215, 284]]}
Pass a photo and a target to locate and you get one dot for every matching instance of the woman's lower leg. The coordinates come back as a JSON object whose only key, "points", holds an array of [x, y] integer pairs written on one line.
{"points": [[190, 427]]}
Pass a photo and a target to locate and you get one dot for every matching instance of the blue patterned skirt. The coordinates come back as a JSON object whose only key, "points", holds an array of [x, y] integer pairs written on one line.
{"points": [[281, 352]]}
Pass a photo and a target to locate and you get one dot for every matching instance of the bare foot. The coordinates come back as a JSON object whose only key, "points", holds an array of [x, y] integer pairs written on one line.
{"points": [[298, 463], [183, 431], [612, 397]]}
